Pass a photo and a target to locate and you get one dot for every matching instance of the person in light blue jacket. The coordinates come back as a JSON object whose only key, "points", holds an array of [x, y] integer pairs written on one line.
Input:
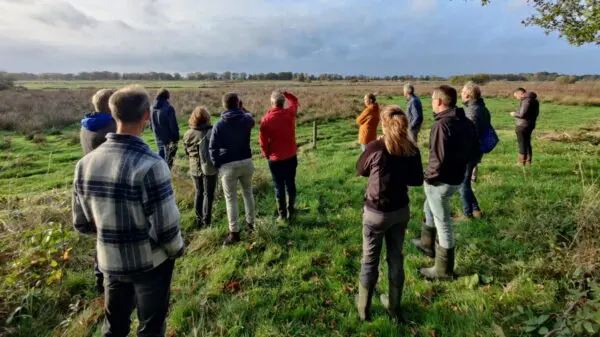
{"points": [[414, 111]]}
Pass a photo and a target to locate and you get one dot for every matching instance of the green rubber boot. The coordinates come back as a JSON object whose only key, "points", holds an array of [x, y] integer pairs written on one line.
{"points": [[363, 302], [443, 269], [427, 241]]}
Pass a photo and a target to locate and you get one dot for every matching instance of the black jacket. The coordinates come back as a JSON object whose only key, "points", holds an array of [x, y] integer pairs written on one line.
{"points": [[389, 177], [164, 122], [452, 144], [528, 111]]}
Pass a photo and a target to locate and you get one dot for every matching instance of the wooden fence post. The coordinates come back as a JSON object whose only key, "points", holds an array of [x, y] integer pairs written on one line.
{"points": [[314, 145]]}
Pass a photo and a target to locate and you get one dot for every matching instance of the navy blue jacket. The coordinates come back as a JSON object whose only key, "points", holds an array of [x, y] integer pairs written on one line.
{"points": [[231, 138], [164, 122]]}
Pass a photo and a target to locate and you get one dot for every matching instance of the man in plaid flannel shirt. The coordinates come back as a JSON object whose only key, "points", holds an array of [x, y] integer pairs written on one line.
{"points": [[123, 196]]}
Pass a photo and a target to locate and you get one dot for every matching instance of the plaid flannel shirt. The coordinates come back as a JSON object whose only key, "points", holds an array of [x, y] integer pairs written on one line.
{"points": [[122, 193]]}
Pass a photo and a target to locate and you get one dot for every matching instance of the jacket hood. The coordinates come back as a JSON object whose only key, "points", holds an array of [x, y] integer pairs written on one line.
{"points": [[159, 103], [451, 113], [474, 102], [96, 121], [530, 95], [202, 127], [233, 114]]}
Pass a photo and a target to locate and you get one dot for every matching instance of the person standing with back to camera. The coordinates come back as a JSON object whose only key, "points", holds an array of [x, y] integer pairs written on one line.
{"points": [[165, 127], [368, 121], [392, 163], [277, 139]]}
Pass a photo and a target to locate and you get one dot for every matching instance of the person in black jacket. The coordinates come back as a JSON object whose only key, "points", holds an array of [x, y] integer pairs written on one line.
{"points": [[452, 145], [526, 118], [392, 163], [165, 127], [479, 115]]}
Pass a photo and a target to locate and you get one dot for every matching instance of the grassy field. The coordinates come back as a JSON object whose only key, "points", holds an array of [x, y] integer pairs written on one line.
{"points": [[524, 269]]}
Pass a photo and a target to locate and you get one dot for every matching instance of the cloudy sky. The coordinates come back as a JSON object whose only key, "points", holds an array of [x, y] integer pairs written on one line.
{"points": [[375, 37]]}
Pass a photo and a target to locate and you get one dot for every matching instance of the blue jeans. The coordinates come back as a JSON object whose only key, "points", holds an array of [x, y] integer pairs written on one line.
{"points": [[149, 291], [469, 201], [167, 152], [438, 212], [283, 173]]}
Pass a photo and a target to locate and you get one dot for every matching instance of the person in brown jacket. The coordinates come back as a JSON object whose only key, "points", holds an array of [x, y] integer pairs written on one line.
{"points": [[202, 170], [368, 121], [392, 163]]}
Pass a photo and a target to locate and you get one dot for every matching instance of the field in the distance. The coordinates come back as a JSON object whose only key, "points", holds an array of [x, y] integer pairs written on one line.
{"points": [[518, 266]]}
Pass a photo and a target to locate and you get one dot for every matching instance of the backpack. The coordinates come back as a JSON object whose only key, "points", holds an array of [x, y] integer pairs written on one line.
{"points": [[489, 140], [205, 163]]}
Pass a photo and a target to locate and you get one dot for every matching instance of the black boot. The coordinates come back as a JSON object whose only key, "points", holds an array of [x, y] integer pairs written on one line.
{"points": [[426, 243], [282, 213], [363, 302], [232, 239], [391, 301], [443, 269], [291, 207], [199, 223]]}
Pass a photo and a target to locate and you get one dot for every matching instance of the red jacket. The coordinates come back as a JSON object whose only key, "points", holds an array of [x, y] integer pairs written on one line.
{"points": [[277, 135]]}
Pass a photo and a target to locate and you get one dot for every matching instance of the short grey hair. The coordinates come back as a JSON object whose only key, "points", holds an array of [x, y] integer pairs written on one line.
{"points": [[277, 98], [472, 90], [128, 105], [100, 100], [409, 88]]}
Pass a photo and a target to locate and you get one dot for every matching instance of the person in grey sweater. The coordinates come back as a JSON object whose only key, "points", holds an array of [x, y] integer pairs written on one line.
{"points": [[414, 111], [479, 115]]}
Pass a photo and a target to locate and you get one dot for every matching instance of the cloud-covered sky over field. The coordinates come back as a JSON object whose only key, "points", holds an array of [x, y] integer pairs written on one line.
{"points": [[375, 37]]}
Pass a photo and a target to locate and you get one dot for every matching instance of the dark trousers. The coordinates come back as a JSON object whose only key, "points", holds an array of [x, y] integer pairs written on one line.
{"points": [[205, 196], [415, 134], [468, 198], [149, 290], [376, 228], [283, 173], [167, 152], [98, 274], [524, 140]]}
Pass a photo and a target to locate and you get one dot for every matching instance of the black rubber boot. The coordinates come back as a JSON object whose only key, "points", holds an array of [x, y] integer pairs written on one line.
{"points": [[426, 244], [363, 302], [391, 302], [282, 213], [291, 207], [443, 269]]}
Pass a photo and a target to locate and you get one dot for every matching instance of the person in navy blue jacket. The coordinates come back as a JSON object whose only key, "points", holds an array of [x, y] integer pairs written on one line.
{"points": [[230, 152], [165, 127]]}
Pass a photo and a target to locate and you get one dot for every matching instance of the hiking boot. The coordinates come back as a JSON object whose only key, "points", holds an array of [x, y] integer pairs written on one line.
{"points": [[477, 214], [363, 302], [461, 218], [232, 239], [521, 159], [391, 302], [528, 159], [443, 269], [426, 243]]}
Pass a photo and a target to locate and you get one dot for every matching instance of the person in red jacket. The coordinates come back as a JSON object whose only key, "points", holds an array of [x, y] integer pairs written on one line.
{"points": [[277, 139]]}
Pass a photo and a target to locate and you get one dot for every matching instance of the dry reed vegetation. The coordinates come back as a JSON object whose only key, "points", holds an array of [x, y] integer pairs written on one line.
{"points": [[35, 110]]}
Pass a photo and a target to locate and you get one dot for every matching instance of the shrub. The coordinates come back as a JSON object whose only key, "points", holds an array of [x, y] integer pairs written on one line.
{"points": [[6, 82]]}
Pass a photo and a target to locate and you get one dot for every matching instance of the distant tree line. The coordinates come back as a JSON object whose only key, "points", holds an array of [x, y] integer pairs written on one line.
{"points": [[287, 76]]}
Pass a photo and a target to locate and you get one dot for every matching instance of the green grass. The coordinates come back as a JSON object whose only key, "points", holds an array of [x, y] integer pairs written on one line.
{"points": [[300, 279]]}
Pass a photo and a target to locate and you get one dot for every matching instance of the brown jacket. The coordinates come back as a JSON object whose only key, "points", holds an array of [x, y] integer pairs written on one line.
{"points": [[389, 177], [368, 122], [452, 144], [195, 142]]}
